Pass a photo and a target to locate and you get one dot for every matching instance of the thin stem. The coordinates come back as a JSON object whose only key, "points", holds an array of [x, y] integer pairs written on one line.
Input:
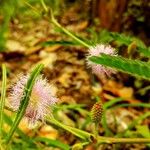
{"points": [[44, 5], [146, 105], [109, 140], [96, 130], [3, 95], [54, 21], [112, 102], [33, 8]]}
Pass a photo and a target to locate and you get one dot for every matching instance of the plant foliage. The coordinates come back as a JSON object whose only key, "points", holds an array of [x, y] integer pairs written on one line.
{"points": [[133, 67]]}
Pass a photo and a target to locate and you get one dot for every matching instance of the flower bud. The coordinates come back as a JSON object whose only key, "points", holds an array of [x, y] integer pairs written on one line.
{"points": [[96, 112]]}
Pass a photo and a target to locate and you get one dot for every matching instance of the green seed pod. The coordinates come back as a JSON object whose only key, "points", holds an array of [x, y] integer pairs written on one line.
{"points": [[96, 112]]}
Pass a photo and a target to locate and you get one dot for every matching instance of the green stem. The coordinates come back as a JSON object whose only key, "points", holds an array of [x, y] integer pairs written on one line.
{"points": [[112, 102], [96, 130], [77, 132], [33, 8], [24, 101], [3, 95], [108, 140], [54, 21], [146, 105], [44, 6]]}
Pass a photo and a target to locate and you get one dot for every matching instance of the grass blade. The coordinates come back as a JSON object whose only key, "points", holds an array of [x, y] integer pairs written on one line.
{"points": [[3, 95]]}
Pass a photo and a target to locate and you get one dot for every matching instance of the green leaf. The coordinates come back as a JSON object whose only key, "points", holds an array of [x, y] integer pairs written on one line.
{"points": [[64, 43], [24, 101], [143, 130], [53, 143], [133, 67], [3, 95], [146, 105], [67, 32]]}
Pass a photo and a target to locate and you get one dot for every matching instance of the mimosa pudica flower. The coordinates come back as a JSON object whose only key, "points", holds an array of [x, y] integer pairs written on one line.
{"points": [[41, 100]]}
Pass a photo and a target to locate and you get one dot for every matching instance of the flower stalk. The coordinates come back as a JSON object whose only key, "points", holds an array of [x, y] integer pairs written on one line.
{"points": [[108, 140], [55, 22]]}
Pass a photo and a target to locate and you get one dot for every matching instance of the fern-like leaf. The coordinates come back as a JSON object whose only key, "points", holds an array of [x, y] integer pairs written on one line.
{"points": [[133, 67], [127, 40]]}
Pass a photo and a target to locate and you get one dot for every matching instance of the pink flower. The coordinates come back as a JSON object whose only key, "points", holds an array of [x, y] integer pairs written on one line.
{"points": [[98, 69], [41, 100]]}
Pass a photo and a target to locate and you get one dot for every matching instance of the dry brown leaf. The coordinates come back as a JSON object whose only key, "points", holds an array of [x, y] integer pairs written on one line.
{"points": [[49, 60], [24, 127], [78, 27], [32, 50], [64, 80], [52, 48], [67, 99], [48, 132], [13, 45], [126, 92], [119, 90]]}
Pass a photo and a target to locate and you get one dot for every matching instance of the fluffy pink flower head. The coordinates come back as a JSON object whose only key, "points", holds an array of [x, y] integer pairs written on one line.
{"points": [[97, 51], [41, 100]]}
